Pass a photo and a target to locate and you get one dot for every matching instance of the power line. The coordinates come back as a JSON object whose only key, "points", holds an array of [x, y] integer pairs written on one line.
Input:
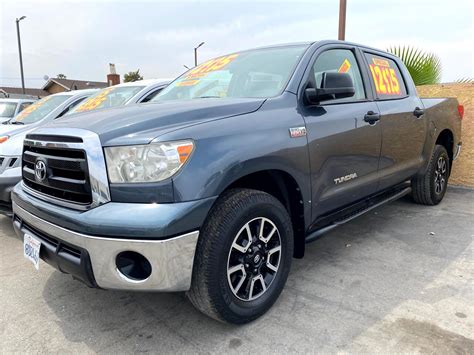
{"points": [[17, 77]]}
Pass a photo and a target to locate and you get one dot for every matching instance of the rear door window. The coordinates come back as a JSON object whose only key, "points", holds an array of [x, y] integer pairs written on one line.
{"points": [[386, 77]]}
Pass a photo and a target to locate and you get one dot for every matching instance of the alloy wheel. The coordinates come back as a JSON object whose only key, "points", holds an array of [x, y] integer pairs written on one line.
{"points": [[254, 259], [440, 175]]}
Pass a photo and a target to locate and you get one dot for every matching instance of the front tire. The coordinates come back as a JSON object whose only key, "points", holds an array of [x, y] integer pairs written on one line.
{"points": [[243, 257], [430, 188]]}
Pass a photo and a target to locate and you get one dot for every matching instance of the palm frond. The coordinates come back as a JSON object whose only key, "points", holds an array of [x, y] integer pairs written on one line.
{"points": [[424, 68], [465, 81]]}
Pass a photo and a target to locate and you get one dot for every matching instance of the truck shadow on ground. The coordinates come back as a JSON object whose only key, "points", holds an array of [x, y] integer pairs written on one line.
{"points": [[348, 281]]}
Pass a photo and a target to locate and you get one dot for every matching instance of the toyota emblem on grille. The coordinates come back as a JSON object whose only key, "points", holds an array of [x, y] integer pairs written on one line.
{"points": [[40, 170]]}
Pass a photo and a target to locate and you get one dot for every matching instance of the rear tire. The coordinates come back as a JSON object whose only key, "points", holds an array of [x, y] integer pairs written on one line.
{"points": [[234, 281], [430, 188]]}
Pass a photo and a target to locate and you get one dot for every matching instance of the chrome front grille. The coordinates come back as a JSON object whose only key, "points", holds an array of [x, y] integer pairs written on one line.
{"points": [[65, 169], [66, 176]]}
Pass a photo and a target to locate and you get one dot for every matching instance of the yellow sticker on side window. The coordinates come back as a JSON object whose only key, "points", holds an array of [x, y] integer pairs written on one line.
{"points": [[345, 66]]}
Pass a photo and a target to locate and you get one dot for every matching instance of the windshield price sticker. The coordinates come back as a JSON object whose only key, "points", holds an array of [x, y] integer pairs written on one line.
{"points": [[192, 77], [94, 101], [31, 249], [31, 108], [385, 77]]}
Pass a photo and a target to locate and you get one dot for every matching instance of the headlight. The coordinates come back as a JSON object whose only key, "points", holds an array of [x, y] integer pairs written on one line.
{"points": [[146, 163], [4, 138]]}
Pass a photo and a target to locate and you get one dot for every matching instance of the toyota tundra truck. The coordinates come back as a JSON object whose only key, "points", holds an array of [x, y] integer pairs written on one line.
{"points": [[217, 183]]}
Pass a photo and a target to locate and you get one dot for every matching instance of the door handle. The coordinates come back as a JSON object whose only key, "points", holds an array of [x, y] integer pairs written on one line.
{"points": [[371, 117], [418, 112]]}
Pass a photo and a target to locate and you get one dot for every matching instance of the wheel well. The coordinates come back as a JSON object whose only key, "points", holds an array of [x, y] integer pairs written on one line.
{"points": [[282, 186], [446, 139]]}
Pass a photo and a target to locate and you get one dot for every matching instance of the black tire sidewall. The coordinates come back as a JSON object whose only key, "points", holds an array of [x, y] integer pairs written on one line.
{"points": [[223, 295]]}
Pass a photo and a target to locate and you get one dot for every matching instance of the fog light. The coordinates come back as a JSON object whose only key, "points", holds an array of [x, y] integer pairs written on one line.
{"points": [[133, 266]]}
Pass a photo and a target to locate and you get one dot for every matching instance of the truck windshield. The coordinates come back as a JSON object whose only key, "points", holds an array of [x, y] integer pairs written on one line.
{"points": [[255, 74], [109, 97], [39, 110], [7, 109]]}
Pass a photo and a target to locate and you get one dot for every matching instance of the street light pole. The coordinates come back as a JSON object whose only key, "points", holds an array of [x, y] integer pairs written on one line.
{"points": [[342, 20], [19, 50], [196, 54]]}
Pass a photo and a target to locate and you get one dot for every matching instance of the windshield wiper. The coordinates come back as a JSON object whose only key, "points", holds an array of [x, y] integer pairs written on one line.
{"points": [[16, 122], [207, 97]]}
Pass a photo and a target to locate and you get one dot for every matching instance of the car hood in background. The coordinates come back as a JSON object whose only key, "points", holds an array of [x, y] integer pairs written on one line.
{"points": [[9, 129], [140, 124], [14, 145]]}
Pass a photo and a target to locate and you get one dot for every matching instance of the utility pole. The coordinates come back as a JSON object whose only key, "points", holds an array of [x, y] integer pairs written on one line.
{"points": [[342, 20], [19, 50], [196, 54]]}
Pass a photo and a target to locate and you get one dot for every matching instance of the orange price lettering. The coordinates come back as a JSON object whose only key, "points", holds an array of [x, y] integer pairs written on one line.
{"points": [[211, 65]]}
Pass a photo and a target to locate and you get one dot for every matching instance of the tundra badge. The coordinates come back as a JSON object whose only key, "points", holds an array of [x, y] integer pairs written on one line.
{"points": [[345, 178]]}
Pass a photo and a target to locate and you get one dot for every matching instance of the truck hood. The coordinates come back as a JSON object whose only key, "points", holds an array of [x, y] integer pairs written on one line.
{"points": [[141, 123]]}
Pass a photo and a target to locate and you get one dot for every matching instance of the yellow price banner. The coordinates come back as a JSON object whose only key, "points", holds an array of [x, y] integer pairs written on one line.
{"points": [[384, 77]]}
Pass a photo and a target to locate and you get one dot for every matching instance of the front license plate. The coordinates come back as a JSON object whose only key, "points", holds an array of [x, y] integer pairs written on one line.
{"points": [[31, 249]]}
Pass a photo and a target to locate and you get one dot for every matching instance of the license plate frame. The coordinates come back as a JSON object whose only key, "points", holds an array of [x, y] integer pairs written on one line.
{"points": [[32, 249]]}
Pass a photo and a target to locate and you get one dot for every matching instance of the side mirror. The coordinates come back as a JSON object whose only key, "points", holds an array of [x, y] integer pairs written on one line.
{"points": [[333, 86]]}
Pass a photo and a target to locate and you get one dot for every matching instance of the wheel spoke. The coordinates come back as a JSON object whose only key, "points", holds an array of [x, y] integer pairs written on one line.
{"points": [[269, 265], [252, 286], [270, 235], [243, 249], [260, 232], [234, 269]]}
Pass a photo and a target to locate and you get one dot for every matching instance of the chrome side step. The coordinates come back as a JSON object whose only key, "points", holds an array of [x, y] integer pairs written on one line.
{"points": [[344, 219]]}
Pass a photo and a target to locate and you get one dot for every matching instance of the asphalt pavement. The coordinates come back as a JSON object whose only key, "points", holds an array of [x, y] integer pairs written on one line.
{"points": [[398, 279]]}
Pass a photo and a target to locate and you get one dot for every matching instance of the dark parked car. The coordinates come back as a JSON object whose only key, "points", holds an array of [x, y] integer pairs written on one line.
{"points": [[214, 186]]}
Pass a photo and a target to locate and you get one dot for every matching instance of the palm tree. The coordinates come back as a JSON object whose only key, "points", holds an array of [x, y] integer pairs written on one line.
{"points": [[132, 76], [424, 68]]}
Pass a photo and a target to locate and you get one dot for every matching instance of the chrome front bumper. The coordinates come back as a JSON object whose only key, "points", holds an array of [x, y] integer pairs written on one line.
{"points": [[171, 259]]}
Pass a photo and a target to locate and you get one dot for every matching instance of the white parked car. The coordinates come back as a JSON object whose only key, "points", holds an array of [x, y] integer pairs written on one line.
{"points": [[9, 108], [13, 133], [123, 94]]}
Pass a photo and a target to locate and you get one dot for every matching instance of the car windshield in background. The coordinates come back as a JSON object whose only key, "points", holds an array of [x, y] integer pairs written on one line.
{"points": [[39, 110], [256, 73], [7, 109], [109, 97]]}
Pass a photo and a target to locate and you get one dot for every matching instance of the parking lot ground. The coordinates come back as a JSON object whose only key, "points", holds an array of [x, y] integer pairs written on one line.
{"points": [[398, 279]]}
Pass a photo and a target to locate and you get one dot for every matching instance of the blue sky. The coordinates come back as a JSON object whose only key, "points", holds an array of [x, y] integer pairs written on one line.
{"points": [[80, 38]]}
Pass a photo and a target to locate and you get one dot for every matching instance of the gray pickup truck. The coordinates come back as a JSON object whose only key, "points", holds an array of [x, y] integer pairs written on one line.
{"points": [[217, 183]]}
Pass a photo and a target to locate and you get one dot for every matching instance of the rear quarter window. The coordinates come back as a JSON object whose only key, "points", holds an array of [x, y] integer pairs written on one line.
{"points": [[386, 77]]}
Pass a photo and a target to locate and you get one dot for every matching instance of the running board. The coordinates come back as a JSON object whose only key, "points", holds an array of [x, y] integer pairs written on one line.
{"points": [[344, 219]]}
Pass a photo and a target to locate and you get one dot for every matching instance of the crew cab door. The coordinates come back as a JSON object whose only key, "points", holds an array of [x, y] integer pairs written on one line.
{"points": [[402, 120], [343, 135]]}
